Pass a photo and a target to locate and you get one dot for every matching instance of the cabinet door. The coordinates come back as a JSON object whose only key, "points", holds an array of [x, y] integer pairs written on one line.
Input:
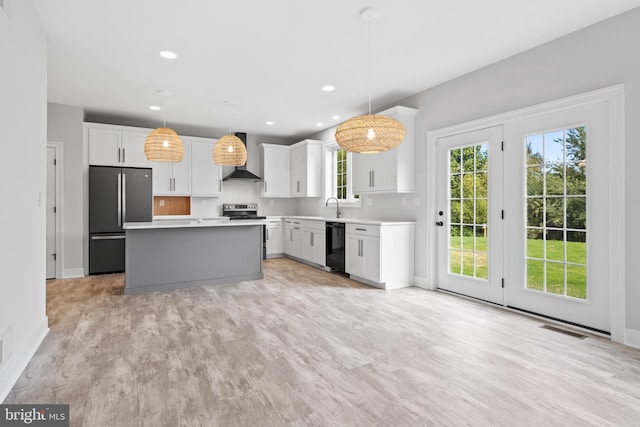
{"points": [[361, 171], [206, 176], [370, 253], [162, 178], [319, 247], [133, 150], [182, 172], [274, 239], [298, 171], [307, 244], [385, 171], [353, 262], [104, 147], [288, 240], [276, 173]]}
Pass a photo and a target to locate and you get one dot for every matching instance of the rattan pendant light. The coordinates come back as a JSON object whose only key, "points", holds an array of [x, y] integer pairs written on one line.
{"points": [[370, 133], [229, 150], [163, 145]]}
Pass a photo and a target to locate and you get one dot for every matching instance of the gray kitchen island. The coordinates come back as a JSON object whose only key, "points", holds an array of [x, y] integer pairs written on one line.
{"points": [[166, 255]]}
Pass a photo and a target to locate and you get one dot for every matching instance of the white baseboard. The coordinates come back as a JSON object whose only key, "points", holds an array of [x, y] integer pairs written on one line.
{"points": [[21, 359], [632, 338], [70, 273], [421, 282]]}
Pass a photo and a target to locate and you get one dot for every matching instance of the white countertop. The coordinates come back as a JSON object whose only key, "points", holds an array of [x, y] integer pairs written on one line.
{"points": [[217, 222], [350, 220]]}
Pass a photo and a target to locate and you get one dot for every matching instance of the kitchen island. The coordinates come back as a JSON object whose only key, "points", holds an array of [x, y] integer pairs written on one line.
{"points": [[166, 255]]}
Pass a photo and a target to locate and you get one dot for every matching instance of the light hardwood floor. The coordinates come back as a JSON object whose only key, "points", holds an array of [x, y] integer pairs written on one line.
{"points": [[305, 347]]}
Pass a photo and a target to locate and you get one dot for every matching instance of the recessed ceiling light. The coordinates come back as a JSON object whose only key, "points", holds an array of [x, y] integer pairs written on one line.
{"points": [[270, 123], [155, 108], [319, 124], [167, 54], [335, 117], [328, 88], [164, 92]]}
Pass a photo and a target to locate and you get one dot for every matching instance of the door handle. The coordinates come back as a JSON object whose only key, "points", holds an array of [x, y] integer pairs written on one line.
{"points": [[124, 153], [265, 186], [120, 237], [119, 197], [311, 238], [373, 178], [439, 223], [124, 197]]}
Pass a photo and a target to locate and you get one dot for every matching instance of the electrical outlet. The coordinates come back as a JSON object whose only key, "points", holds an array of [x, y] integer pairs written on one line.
{"points": [[161, 202]]}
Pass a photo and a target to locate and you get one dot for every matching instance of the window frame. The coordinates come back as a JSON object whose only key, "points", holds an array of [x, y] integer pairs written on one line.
{"points": [[331, 171]]}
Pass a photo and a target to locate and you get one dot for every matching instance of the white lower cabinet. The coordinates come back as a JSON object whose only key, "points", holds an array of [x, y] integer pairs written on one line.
{"points": [[305, 239], [292, 238], [380, 255], [314, 242], [274, 238]]}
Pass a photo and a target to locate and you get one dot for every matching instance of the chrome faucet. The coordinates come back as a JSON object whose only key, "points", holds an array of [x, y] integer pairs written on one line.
{"points": [[338, 213]]}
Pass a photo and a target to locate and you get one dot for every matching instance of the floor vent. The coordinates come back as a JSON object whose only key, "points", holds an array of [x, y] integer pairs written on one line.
{"points": [[564, 331]]}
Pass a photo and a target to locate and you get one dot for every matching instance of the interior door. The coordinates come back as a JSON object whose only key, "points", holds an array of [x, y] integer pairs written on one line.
{"points": [[51, 213], [470, 211], [558, 169]]}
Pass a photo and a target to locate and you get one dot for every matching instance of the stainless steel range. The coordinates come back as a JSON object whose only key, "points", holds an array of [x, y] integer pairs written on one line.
{"points": [[246, 211], [241, 211]]}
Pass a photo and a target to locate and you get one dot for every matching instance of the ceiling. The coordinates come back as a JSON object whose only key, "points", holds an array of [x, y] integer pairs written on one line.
{"points": [[271, 58]]}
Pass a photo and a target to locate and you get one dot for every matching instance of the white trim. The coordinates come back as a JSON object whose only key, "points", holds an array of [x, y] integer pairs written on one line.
{"points": [[59, 147], [632, 338], [70, 273], [614, 96], [21, 359], [421, 282]]}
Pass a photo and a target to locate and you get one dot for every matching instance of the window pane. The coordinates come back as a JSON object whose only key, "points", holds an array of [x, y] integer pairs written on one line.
{"points": [[555, 212], [554, 147], [482, 265], [482, 185], [535, 181], [468, 211], [482, 157], [455, 240], [455, 187], [468, 263], [554, 180], [456, 212], [468, 159], [577, 212], [535, 275], [577, 179], [555, 278], [467, 185], [577, 247], [577, 281], [535, 243], [467, 237], [576, 144], [555, 245], [535, 154], [481, 211], [535, 212], [481, 239], [455, 157], [454, 263]]}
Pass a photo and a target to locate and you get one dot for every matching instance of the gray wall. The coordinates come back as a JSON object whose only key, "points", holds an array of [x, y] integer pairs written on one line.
{"points": [[598, 56], [23, 137], [64, 125]]}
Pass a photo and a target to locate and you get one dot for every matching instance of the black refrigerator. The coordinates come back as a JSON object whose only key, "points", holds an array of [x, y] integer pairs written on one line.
{"points": [[116, 195]]}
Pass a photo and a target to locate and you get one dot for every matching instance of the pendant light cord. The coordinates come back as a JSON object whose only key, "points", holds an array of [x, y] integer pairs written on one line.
{"points": [[369, 65]]}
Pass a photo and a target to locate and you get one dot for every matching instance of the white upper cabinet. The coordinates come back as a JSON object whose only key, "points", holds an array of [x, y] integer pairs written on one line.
{"points": [[391, 171], [274, 160], [116, 145], [173, 178], [306, 174], [206, 176]]}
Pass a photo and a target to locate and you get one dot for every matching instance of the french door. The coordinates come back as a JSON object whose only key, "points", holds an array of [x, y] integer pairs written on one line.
{"points": [[469, 219], [557, 215], [525, 222]]}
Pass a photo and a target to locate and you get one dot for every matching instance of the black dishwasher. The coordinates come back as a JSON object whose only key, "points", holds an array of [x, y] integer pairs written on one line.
{"points": [[335, 246]]}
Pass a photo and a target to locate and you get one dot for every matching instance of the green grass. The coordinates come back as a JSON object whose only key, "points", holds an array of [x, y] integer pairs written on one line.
{"points": [[554, 264]]}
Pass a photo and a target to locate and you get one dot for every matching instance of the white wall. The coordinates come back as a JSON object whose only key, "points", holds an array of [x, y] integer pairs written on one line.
{"points": [[23, 138], [64, 124], [598, 56]]}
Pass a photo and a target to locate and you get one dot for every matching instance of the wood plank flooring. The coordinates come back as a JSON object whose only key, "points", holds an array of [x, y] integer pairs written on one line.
{"points": [[305, 347]]}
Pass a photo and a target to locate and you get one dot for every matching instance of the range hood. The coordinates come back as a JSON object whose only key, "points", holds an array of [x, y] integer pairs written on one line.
{"points": [[241, 173]]}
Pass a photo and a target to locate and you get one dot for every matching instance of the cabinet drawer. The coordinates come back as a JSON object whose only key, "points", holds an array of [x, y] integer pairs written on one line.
{"points": [[312, 224], [364, 229]]}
